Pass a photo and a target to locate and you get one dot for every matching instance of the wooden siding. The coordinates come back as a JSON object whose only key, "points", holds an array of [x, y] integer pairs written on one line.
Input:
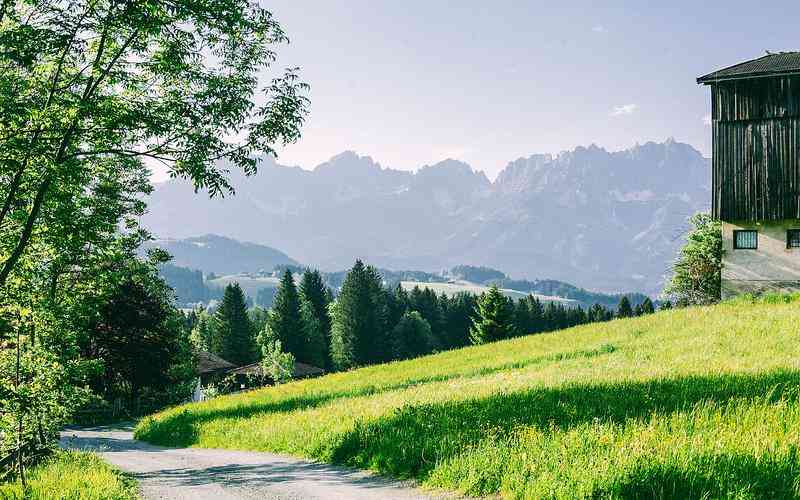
{"points": [[756, 99], [756, 136]]}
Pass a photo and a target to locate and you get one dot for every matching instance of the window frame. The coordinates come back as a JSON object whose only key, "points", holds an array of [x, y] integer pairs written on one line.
{"points": [[735, 239], [789, 233]]}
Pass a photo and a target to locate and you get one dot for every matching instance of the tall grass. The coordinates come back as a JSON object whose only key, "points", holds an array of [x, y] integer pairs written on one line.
{"points": [[692, 403], [72, 475]]}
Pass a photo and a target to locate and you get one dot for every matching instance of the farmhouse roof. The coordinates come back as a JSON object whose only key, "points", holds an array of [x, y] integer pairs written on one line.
{"points": [[301, 370], [772, 64], [210, 363]]}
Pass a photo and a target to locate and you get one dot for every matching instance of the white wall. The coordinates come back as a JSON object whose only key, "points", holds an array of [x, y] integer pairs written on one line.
{"points": [[771, 267]]}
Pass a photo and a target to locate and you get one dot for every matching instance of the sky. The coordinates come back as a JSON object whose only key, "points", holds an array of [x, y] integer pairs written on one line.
{"points": [[415, 82]]}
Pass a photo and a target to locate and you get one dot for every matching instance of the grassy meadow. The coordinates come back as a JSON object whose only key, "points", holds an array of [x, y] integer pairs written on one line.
{"points": [[72, 475], [692, 403]]}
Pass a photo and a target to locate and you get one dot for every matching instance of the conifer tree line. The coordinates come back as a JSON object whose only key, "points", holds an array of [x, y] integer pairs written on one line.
{"points": [[368, 323]]}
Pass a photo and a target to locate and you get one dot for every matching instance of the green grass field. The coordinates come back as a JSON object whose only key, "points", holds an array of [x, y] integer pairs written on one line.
{"points": [[72, 475], [691, 403]]}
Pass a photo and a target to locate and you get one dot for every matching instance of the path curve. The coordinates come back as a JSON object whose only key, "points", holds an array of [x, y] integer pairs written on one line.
{"points": [[198, 473]]}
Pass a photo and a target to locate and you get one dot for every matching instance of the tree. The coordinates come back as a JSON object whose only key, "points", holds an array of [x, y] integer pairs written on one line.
{"points": [[88, 91], [276, 364], [204, 335], [233, 327], [258, 317], [284, 318], [314, 336], [647, 306], [316, 320], [426, 303], [397, 303], [94, 87], [411, 337], [598, 313], [624, 309], [523, 317], [358, 320], [139, 336], [697, 273], [494, 319]]}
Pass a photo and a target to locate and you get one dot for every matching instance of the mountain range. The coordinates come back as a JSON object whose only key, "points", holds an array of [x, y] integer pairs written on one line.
{"points": [[609, 221]]}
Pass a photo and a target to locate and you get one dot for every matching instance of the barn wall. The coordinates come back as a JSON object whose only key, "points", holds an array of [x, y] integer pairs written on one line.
{"points": [[756, 156], [772, 267]]}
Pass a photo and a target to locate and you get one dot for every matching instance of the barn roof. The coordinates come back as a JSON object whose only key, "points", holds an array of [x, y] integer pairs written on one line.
{"points": [[775, 64], [301, 370], [210, 363]]}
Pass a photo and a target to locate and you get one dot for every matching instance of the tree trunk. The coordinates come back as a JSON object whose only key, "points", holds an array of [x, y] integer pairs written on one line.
{"points": [[25, 237]]}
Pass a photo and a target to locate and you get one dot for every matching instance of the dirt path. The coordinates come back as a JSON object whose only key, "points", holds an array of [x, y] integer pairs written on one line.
{"points": [[195, 473]]}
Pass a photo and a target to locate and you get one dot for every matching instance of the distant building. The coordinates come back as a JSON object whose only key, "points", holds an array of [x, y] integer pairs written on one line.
{"points": [[755, 118], [247, 375], [210, 368]]}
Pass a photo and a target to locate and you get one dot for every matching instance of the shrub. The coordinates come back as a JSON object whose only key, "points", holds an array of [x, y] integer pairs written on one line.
{"points": [[697, 273]]}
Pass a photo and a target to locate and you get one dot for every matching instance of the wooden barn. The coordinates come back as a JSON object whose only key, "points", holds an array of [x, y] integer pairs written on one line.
{"points": [[755, 118]]}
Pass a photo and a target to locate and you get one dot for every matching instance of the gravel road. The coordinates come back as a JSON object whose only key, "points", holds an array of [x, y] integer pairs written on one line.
{"points": [[195, 473]]}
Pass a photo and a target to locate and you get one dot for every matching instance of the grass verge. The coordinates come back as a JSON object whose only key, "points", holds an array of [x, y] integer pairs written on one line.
{"points": [[692, 403], [72, 475]]}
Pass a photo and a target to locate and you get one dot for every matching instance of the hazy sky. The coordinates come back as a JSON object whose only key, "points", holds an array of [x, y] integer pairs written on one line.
{"points": [[414, 82]]}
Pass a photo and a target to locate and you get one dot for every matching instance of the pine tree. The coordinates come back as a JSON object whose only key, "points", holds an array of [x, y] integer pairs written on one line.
{"points": [[494, 320], [234, 331], [316, 319], [624, 309], [284, 318], [359, 320], [598, 313], [314, 335], [411, 337], [204, 335], [647, 306], [426, 303], [458, 320], [551, 317], [536, 314], [397, 304], [522, 317]]}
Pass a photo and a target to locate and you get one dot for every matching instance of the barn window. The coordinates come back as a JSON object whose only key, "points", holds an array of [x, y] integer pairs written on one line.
{"points": [[793, 238], [745, 240]]}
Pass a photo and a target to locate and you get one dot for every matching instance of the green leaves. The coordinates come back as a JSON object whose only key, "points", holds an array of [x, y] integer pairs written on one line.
{"points": [[697, 277], [494, 320], [91, 90]]}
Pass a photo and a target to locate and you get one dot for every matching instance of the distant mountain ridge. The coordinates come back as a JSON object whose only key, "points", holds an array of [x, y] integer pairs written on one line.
{"points": [[608, 221], [221, 255]]}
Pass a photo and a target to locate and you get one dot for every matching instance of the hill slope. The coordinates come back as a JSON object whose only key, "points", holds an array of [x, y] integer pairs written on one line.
{"points": [[221, 255], [690, 403]]}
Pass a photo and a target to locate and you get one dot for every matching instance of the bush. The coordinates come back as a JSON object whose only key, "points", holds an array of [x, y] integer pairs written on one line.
{"points": [[411, 337], [697, 273]]}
